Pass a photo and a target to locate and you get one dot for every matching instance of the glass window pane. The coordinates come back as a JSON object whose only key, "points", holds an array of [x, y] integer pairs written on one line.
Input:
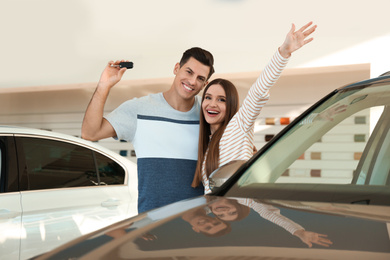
{"points": [[1, 163], [53, 164], [110, 172], [334, 159], [345, 140], [8, 165]]}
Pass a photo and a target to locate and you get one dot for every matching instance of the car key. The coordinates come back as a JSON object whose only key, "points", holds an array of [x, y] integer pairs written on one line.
{"points": [[124, 64]]}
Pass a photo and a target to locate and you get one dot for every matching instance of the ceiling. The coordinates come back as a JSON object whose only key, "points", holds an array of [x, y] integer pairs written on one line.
{"points": [[50, 43]]}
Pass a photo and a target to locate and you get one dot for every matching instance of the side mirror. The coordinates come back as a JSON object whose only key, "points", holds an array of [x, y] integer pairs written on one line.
{"points": [[223, 173]]}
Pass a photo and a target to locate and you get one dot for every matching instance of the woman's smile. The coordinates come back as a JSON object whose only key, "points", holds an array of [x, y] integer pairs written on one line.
{"points": [[214, 106]]}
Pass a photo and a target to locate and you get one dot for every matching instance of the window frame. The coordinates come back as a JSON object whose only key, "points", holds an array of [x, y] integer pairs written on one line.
{"points": [[23, 182]]}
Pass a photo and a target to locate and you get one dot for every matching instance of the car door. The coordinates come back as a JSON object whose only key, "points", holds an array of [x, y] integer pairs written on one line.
{"points": [[10, 225], [10, 206], [66, 191]]}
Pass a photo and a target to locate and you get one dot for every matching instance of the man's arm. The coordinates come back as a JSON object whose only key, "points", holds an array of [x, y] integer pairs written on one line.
{"points": [[94, 126]]}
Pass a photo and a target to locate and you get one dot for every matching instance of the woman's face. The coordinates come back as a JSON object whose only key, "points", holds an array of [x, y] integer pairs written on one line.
{"points": [[224, 210], [207, 224], [214, 106]]}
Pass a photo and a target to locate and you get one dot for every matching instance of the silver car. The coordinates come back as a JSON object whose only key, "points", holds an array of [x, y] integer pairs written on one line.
{"points": [[55, 187], [320, 189]]}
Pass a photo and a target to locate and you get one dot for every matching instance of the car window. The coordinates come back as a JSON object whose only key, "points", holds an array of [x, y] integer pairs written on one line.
{"points": [[53, 164], [8, 165], [345, 140], [1, 162], [334, 157], [2, 165], [374, 167], [110, 172]]}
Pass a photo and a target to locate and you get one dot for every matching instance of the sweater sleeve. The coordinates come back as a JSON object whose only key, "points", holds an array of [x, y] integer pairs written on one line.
{"points": [[258, 94], [273, 214]]}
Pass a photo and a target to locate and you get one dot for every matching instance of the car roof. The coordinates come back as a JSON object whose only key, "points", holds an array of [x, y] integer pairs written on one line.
{"points": [[385, 77], [9, 129], [34, 132]]}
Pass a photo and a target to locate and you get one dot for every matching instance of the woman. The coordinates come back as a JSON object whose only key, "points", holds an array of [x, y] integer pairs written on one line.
{"points": [[226, 132]]}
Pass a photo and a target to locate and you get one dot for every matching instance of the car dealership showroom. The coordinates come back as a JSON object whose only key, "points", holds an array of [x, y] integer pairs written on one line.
{"points": [[316, 187]]}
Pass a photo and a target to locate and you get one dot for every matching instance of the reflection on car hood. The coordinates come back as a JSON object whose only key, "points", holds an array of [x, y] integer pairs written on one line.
{"points": [[235, 228]]}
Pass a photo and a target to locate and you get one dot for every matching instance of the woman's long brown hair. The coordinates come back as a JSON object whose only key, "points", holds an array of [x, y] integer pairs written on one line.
{"points": [[212, 161]]}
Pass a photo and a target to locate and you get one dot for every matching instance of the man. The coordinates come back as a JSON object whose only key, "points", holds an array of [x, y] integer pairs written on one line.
{"points": [[163, 128]]}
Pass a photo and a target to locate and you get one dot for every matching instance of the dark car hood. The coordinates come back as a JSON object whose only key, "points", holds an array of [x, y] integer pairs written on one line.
{"points": [[261, 230]]}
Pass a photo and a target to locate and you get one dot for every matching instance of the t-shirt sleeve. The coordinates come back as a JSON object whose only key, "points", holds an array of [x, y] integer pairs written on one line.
{"points": [[124, 120]]}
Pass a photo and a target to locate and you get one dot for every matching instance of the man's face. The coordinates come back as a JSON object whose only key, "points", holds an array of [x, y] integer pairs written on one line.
{"points": [[190, 78]]}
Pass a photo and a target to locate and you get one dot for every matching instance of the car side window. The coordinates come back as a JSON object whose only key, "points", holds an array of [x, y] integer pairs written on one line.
{"points": [[334, 157], [2, 165], [1, 162], [374, 165], [8, 165], [345, 150], [110, 172], [51, 164]]}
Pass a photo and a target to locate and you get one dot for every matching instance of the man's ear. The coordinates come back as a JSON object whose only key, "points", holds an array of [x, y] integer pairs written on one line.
{"points": [[205, 84], [176, 68]]}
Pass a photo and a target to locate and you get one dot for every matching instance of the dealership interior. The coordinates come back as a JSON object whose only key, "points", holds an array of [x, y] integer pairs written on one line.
{"points": [[53, 53]]}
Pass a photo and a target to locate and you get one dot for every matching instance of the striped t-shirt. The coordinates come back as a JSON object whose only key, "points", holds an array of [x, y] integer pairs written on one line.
{"points": [[237, 140], [166, 144]]}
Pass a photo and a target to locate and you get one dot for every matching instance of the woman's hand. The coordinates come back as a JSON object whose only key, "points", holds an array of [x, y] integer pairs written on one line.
{"points": [[310, 238], [296, 39]]}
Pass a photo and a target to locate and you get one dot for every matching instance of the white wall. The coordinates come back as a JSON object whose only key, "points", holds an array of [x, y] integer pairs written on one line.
{"points": [[61, 108], [56, 42]]}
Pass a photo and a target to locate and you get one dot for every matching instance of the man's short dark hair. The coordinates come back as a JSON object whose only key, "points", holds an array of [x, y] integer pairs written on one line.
{"points": [[201, 55]]}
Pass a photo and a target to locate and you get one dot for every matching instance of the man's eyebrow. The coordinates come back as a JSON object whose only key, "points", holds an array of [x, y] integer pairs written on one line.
{"points": [[189, 69], [200, 76]]}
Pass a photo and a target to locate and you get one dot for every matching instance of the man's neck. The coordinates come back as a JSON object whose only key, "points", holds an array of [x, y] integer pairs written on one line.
{"points": [[178, 103]]}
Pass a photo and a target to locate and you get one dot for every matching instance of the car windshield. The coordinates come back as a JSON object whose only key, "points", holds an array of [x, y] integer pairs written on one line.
{"points": [[343, 141]]}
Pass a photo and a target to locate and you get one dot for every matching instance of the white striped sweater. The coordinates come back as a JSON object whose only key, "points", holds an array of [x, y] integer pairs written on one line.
{"points": [[237, 140]]}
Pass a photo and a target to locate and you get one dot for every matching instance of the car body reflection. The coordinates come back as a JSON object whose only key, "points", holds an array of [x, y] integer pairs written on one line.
{"points": [[258, 229]]}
